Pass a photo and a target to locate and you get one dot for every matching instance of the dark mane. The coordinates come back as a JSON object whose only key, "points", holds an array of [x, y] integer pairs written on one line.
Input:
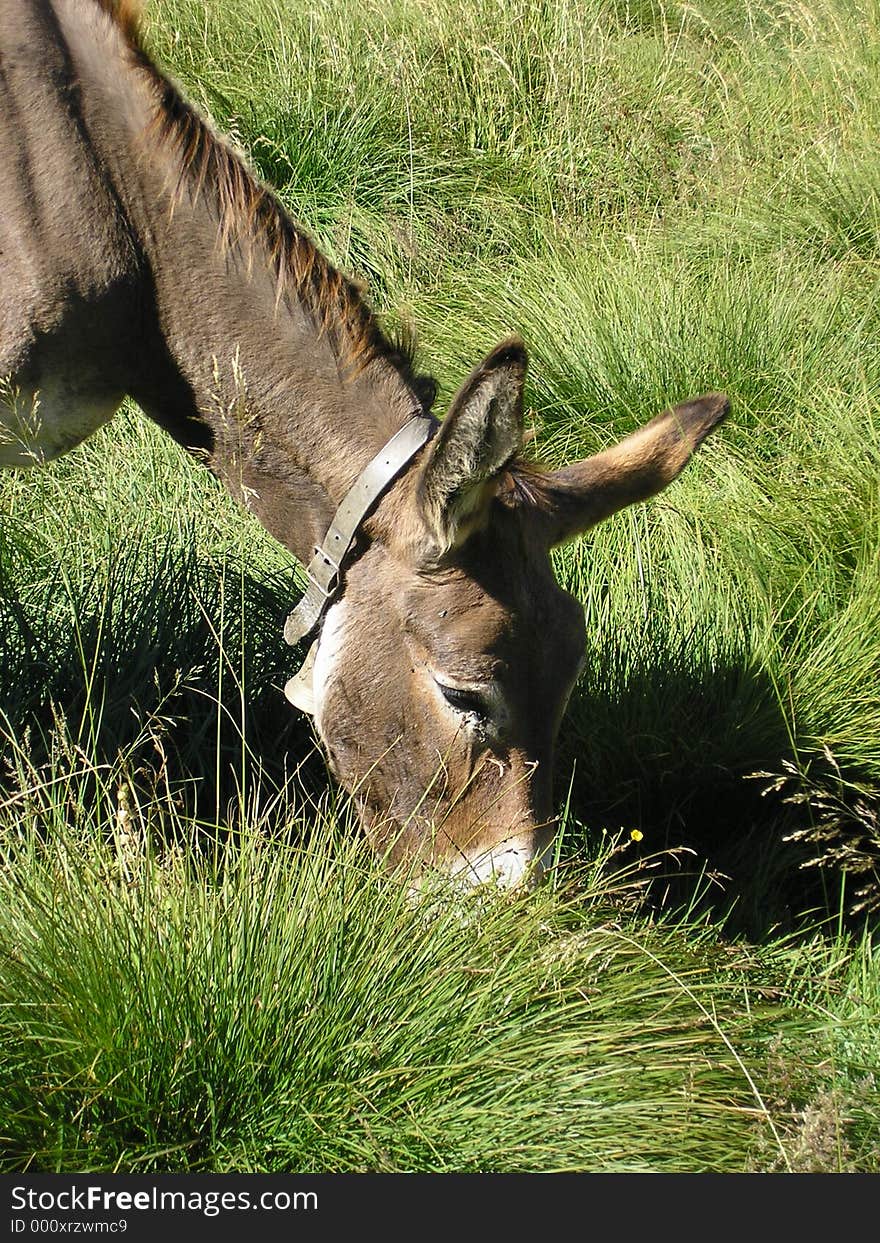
{"points": [[127, 15], [249, 212]]}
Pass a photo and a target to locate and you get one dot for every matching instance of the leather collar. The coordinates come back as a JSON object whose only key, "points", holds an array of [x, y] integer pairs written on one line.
{"points": [[324, 571]]}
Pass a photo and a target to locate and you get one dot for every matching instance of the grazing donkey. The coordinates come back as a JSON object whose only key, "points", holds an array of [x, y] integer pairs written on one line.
{"points": [[138, 255]]}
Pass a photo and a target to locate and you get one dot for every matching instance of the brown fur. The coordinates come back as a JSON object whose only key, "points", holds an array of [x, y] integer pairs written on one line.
{"points": [[249, 213], [571, 500], [139, 256], [127, 15]]}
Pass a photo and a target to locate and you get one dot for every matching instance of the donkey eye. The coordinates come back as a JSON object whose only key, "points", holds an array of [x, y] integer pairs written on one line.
{"points": [[464, 701]]}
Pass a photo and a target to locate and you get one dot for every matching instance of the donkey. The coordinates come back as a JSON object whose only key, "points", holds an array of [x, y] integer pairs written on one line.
{"points": [[139, 256]]}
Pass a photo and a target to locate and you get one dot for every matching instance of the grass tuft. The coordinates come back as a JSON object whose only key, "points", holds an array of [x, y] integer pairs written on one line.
{"points": [[200, 966]]}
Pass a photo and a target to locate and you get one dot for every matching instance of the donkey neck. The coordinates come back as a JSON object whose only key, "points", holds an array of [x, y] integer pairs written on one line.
{"points": [[256, 353]]}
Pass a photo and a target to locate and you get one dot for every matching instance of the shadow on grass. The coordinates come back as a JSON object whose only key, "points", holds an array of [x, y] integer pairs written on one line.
{"points": [[177, 663], [170, 660], [679, 759]]}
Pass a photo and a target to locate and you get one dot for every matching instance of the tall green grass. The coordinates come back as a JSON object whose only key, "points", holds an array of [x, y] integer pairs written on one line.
{"points": [[661, 198], [251, 1004], [200, 966]]}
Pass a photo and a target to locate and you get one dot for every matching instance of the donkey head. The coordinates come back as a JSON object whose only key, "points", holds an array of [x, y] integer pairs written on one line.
{"points": [[443, 669]]}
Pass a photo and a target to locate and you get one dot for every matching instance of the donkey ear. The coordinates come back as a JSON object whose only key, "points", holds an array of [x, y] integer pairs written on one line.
{"points": [[577, 497], [480, 435]]}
